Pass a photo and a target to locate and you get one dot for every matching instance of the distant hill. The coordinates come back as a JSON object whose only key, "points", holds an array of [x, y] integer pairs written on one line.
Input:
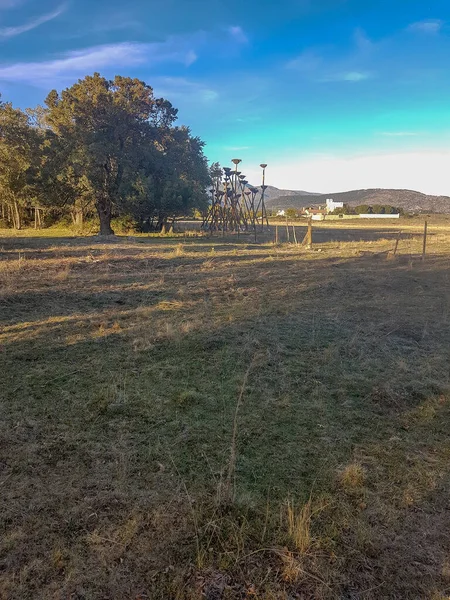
{"points": [[272, 193], [407, 199]]}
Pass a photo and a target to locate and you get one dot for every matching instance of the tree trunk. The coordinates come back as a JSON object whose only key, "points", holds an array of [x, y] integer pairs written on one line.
{"points": [[161, 225], [16, 214], [37, 218], [104, 214], [77, 216], [77, 213]]}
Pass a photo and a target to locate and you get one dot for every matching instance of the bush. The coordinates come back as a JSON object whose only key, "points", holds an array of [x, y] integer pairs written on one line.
{"points": [[124, 225], [292, 213], [90, 226]]}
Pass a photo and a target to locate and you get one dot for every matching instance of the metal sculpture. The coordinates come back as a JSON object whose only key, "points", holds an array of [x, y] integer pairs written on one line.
{"points": [[236, 206]]}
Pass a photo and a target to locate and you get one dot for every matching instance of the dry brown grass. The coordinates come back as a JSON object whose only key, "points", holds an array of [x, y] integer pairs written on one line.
{"points": [[352, 476], [299, 526], [122, 383]]}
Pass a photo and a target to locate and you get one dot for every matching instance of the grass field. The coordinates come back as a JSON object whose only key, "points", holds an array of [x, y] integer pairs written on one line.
{"points": [[187, 418]]}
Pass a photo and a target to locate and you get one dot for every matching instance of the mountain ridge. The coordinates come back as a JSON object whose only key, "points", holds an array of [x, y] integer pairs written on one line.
{"points": [[273, 192], [409, 200]]}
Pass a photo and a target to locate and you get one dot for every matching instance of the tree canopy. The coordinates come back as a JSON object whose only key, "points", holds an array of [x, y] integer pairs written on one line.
{"points": [[104, 145]]}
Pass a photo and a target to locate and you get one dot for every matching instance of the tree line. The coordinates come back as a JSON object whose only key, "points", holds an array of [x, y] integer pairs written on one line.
{"points": [[104, 147], [367, 209]]}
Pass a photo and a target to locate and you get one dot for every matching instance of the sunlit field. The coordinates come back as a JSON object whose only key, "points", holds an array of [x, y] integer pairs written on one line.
{"points": [[191, 417]]}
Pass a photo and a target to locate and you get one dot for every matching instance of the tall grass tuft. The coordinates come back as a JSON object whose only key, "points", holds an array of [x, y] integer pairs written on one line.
{"points": [[299, 525]]}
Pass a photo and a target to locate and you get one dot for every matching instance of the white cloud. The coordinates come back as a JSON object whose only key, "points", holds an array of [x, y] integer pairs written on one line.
{"points": [[417, 170], [8, 32], [179, 88], [238, 34], [432, 26], [80, 62]]}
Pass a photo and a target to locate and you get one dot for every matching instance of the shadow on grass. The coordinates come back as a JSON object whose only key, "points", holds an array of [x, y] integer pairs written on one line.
{"points": [[108, 416]]}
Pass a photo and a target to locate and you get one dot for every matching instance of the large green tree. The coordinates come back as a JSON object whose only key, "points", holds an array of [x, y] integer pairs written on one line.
{"points": [[182, 176], [169, 180], [110, 129], [19, 144], [62, 183]]}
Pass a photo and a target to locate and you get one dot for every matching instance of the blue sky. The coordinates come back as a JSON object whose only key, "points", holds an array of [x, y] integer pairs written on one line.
{"points": [[333, 94]]}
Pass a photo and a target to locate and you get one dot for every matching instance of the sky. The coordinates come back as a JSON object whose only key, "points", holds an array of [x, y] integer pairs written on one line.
{"points": [[333, 95]]}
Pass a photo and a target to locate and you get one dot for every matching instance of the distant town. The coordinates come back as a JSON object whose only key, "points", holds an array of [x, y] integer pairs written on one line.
{"points": [[333, 210]]}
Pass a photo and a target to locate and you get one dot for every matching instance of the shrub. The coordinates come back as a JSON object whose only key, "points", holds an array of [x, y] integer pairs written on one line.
{"points": [[124, 224]]}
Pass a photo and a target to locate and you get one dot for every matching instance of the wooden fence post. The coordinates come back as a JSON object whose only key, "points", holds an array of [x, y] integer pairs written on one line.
{"points": [[396, 242], [307, 241], [276, 234], [425, 231]]}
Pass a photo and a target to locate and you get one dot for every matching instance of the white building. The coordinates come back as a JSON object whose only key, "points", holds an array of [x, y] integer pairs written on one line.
{"points": [[332, 205], [281, 213]]}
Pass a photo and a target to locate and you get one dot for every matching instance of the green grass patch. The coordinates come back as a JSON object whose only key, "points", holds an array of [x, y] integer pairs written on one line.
{"points": [[253, 422]]}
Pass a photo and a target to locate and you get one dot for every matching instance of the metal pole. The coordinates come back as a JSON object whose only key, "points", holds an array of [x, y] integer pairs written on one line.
{"points": [[235, 201], [263, 204]]}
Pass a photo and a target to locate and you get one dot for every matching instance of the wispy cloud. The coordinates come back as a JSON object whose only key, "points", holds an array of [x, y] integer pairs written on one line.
{"points": [[74, 63], [363, 43], [185, 89], [399, 133], [305, 62], [430, 27], [355, 76], [116, 21], [10, 3], [190, 58], [322, 64], [80, 62], [9, 32], [237, 148], [348, 76], [248, 119], [238, 34], [178, 49]]}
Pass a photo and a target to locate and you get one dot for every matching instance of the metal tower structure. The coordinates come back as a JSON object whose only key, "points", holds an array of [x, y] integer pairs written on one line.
{"points": [[235, 205]]}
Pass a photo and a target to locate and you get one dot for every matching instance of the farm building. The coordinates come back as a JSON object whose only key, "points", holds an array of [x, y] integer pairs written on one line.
{"points": [[316, 212], [332, 205]]}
